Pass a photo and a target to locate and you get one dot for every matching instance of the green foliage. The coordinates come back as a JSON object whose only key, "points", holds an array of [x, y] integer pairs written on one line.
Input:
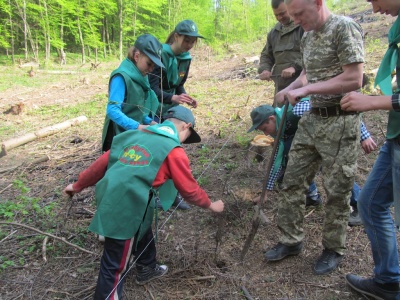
{"points": [[24, 207]]}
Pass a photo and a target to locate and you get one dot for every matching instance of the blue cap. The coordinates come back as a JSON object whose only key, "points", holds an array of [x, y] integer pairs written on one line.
{"points": [[189, 28]]}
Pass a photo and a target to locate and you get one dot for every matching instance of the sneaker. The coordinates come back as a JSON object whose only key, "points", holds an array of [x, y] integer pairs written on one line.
{"points": [[180, 203], [354, 218], [327, 262], [313, 200], [368, 287], [146, 274], [280, 251]]}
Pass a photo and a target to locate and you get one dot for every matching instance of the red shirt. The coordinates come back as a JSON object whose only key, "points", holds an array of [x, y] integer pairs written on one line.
{"points": [[175, 167]]}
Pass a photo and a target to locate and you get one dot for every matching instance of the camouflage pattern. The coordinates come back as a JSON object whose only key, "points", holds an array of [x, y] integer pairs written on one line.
{"points": [[339, 42], [333, 144], [282, 51]]}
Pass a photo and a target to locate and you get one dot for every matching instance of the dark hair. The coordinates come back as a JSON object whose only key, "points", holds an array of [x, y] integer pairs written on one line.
{"points": [[131, 53], [275, 3]]}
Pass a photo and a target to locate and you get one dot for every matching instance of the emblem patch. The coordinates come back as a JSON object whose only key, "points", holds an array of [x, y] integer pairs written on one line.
{"points": [[135, 156]]}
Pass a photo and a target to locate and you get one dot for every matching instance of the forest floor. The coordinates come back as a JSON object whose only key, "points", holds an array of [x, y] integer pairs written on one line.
{"points": [[201, 249]]}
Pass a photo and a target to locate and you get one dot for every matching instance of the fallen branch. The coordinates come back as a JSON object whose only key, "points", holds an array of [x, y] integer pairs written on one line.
{"points": [[44, 248], [48, 234], [49, 130]]}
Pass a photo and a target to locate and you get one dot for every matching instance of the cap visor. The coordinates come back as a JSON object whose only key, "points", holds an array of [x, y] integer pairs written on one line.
{"points": [[252, 128], [155, 59], [193, 138], [195, 35]]}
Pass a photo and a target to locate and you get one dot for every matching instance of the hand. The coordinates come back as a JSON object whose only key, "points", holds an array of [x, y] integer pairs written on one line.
{"points": [[280, 97], [368, 145], [217, 206], [354, 101], [184, 98], [141, 127], [288, 73], [69, 190], [265, 75], [294, 96]]}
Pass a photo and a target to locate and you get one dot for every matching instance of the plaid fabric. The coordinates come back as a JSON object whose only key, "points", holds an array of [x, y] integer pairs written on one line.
{"points": [[299, 109]]}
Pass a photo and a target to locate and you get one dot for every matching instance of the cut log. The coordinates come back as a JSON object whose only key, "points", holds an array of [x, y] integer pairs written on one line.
{"points": [[15, 142]]}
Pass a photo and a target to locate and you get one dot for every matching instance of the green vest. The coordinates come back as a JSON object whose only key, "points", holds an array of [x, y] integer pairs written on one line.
{"points": [[140, 100], [122, 195], [176, 66]]}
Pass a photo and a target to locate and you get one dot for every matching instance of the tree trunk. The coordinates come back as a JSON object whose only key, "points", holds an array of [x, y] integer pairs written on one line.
{"points": [[81, 40], [121, 21]]}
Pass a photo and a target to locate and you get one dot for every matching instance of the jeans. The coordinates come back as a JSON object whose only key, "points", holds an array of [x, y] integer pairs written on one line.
{"points": [[374, 202], [355, 192]]}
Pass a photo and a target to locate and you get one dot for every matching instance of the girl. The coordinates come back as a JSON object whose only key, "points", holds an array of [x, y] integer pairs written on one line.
{"points": [[132, 103], [168, 83]]}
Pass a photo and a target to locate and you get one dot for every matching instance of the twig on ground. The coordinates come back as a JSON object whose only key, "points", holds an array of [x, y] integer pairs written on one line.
{"points": [[246, 293], [50, 235], [77, 295], [309, 214], [44, 248], [8, 236], [6, 188]]}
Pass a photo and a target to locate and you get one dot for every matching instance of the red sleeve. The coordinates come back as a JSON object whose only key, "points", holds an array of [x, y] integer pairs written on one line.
{"points": [[93, 173], [176, 167]]}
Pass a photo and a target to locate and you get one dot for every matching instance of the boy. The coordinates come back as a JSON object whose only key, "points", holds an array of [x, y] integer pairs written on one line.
{"points": [[140, 165]]}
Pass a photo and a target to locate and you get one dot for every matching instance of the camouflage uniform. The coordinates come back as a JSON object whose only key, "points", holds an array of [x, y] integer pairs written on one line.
{"points": [[282, 51], [331, 142]]}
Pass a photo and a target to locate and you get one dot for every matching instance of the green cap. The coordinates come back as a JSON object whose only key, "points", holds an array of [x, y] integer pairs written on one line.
{"points": [[184, 114], [150, 46], [189, 28], [260, 114]]}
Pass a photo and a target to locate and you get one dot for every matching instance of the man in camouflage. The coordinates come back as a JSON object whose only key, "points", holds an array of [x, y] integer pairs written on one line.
{"points": [[280, 59], [332, 49]]}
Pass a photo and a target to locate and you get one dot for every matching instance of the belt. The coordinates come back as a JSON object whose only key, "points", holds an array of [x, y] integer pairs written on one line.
{"points": [[331, 111]]}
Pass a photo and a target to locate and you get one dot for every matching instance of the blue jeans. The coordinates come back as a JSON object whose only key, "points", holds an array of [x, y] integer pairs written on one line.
{"points": [[355, 192], [376, 197]]}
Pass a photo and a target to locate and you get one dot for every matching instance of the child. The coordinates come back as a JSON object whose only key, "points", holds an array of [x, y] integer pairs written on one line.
{"points": [[132, 103], [140, 165], [266, 119]]}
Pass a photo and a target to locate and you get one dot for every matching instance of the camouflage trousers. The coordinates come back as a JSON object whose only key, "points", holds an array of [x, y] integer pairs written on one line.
{"points": [[331, 143]]}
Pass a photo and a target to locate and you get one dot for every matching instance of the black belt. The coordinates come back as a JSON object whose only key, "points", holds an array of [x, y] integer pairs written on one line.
{"points": [[331, 111]]}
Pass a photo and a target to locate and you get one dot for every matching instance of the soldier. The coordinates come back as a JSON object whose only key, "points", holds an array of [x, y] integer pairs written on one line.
{"points": [[333, 57], [280, 59]]}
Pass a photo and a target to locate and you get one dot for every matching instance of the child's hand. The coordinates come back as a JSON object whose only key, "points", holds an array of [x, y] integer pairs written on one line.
{"points": [[69, 190], [217, 206]]}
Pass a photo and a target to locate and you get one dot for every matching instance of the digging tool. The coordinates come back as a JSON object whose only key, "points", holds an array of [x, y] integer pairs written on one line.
{"points": [[256, 216]]}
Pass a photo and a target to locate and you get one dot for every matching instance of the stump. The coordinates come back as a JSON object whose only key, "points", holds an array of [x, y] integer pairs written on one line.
{"points": [[259, 149]]}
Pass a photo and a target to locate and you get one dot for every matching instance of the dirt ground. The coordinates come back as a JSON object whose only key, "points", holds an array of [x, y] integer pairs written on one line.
{"points": [[201, 249]]}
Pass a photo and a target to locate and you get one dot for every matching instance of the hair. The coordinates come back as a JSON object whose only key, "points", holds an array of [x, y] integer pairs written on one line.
{"points": [[275, 3], [131, 53], [171, 37]]}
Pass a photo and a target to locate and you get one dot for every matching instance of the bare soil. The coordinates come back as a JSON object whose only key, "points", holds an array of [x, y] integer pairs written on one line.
{"points": [[201, 249]]}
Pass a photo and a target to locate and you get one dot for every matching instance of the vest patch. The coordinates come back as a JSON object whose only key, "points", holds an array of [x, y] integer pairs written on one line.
{"points": [[135, 156]]}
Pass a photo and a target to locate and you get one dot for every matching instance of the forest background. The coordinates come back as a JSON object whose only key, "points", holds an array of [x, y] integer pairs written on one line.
{"points": [[46, 250], [104, 29]]}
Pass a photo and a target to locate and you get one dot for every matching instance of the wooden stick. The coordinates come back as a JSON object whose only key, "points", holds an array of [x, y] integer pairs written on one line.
{"points": [[48, 234], [15, 142], [44, 248]]}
